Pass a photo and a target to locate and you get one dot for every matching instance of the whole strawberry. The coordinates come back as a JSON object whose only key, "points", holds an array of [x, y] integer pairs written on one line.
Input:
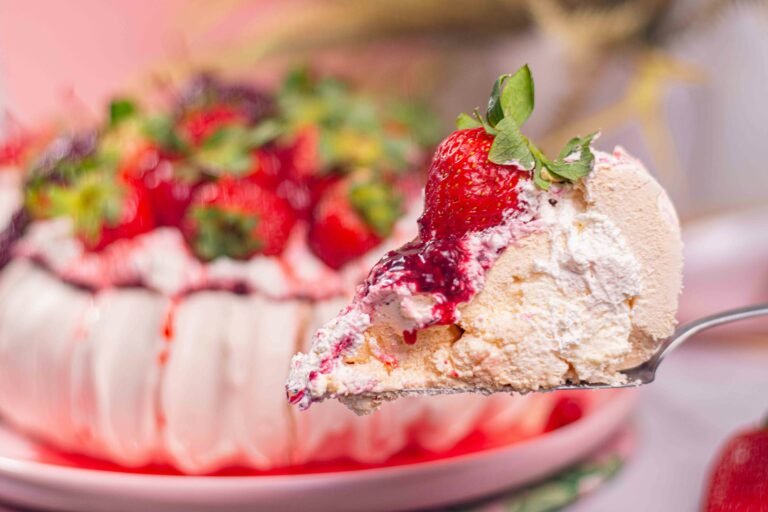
{"points": [[350, 220], [238, 219], [473, 180], [166, 181], [102, 209], [739, 480], [465, 191], [135, 218]]}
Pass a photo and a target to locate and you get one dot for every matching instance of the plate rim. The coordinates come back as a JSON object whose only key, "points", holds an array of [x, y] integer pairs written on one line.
{"points": [[51, 474]]}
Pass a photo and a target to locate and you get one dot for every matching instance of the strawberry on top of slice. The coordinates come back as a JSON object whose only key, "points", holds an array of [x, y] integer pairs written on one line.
{"points": [[238, 219], [473, 178], [466, 191]]}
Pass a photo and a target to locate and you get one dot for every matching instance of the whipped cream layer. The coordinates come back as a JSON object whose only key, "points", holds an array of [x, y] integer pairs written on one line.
{"points": [[587, 285]]}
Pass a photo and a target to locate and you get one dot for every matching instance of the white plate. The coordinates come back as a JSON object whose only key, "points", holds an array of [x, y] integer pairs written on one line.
{"points": [[26, 481]]}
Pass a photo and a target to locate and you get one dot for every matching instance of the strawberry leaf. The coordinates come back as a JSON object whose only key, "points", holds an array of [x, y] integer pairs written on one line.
{"points": [[221, 233], [264, 132], [538, 178], [575, 160], [511, 147], [377, 204], [495, 112], [576, 144], [517, 96], [161, 130], [465, 121], [225, 151], [92, 203], [120, 109]]}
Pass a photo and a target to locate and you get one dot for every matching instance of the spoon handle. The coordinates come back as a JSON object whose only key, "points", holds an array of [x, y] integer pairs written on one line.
{"points": [[733, 315]]}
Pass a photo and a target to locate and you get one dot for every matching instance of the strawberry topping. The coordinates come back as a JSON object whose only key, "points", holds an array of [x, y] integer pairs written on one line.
{"points": [[160, 177], [465, 190], [237, 219], [350, 221]]}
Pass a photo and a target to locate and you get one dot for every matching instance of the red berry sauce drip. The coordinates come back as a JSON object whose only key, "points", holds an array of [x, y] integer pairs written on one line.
{"points": [[433, 267]]}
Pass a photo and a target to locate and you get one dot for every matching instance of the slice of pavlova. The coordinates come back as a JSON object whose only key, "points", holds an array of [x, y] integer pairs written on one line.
{"points": [[528, 273]]}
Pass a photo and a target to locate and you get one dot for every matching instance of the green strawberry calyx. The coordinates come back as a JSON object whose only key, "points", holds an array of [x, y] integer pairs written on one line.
{"points": [[509, 107], [222, 232], [378, 204]]}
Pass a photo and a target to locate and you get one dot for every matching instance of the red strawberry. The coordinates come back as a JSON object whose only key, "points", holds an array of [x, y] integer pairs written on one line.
{"points": [[198, 125], [238, 219], [135, 219], [465, 191], [304, 152], [293, 170], [12, 150], [739, 479], [351, 220], [566, 410], [102, 209], [169, 191]]}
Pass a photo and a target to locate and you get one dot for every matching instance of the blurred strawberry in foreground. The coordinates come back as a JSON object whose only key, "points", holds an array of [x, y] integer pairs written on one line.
{"points": [[237, 219], [566, 410], [352, 219], [739, 480]]}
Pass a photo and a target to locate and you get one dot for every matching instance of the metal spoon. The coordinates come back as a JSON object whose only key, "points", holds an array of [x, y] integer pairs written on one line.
{"points": [[646, 372]]}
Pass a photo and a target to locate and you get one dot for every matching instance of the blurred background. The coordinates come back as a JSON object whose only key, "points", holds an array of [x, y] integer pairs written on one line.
{"points": [[680, 84]]}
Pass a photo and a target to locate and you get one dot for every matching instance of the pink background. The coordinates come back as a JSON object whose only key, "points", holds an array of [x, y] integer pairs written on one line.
{"points": [[78, 52]]}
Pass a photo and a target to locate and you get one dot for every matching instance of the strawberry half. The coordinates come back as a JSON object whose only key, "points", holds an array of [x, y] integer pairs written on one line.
{"points": [[237, 219], [739, 480], [465, 191], [350, 220]]}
